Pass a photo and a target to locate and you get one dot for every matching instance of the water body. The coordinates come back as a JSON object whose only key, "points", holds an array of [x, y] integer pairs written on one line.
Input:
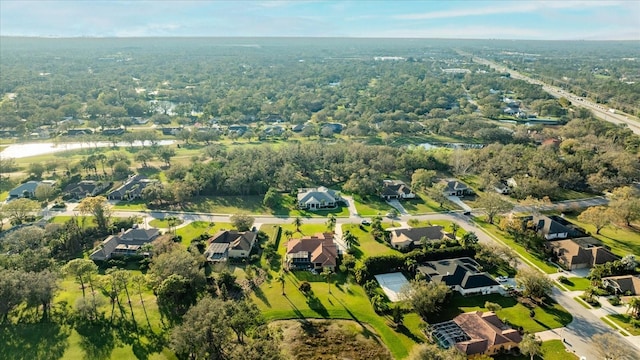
{"points": [[18, 151]]}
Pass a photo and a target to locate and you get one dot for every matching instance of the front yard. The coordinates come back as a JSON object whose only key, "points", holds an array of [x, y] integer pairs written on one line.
{"points": [[423, 204], [197, 228], [624, 321], [508, 241], [576, 283]]}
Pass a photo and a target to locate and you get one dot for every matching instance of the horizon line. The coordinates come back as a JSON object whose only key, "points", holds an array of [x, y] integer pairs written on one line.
{"points": [[291, 37]]}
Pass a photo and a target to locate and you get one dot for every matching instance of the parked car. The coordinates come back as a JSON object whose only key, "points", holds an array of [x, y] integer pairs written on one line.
{"points": [[365, 222], [501, 279]]}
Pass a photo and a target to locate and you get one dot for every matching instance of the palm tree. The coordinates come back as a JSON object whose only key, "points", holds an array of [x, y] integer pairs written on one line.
{"points": [[411, 265], [326, 272], [280, 279], [331, 223], [297, 222], [349, 239], [468, 239], [634, 307], [288, 234], [454, 229], [139, 281]]}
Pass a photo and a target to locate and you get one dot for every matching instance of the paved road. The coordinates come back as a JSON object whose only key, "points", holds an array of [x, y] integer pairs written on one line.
{"points": [[598, 110]]}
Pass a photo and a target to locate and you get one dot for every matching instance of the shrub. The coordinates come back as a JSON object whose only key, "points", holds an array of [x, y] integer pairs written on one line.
{"points": [[615, 300], [380, 306], [492, 306], [563, 279], [305, 287]]}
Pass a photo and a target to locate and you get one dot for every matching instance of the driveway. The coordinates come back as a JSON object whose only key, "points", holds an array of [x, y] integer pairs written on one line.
{"points": [[456, 200], [398, 206], [353, 211]]}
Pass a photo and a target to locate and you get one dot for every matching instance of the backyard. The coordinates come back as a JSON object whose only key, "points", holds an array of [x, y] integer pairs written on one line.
{"points": [[547, 317], [622, 240], [346, 301]]}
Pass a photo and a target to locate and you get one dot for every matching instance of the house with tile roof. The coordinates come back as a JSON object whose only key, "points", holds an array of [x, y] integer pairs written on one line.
{"points": [[312, 252], [230, 244], [476, 333], [396, 189], [580, 253], [317, 198], [126, 243], [624, 285], [404, 238], [461, 275]]}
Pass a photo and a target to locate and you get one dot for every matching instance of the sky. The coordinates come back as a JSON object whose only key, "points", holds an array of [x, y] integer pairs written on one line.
{"points": [[467, 19]]}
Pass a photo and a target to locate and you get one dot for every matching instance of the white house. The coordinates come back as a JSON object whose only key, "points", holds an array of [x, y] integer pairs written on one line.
{"points": [[317, 198]]}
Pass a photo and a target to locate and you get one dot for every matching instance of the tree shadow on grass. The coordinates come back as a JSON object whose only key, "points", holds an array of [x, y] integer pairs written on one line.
{"points": [[43, 340], [406, 332], [316, 305], [260, 295], [96, 338]]}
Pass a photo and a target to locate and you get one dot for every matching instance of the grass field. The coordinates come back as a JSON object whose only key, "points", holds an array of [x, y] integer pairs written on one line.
{"points": [[72, 338], [547, 317], [624, 321], [135, 205], [423, 204], [346, 301], [508, 241], [372, 206], [551, 350], [162, 223], [577, 284], [367, 245], [197, 228], [622, 241]]}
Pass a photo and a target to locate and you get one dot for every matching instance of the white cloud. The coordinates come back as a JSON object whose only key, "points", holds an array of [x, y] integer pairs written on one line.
{"points": [[504, 8]]}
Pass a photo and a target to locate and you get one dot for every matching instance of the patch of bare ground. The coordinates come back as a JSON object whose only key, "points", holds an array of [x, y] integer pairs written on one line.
{"points": [[330, 339]]}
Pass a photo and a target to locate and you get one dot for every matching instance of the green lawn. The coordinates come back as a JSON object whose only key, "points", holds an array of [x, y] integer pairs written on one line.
{"points": [[624, 321], [371, 206], [253, 205], [346, 301], [551, 350], [516, 314], [622, 241], [367, 245], [576, 284], [162, 223], [197, 228], [62, 338], [508, 241], [135, 205], [423, 204], [84, 221]]}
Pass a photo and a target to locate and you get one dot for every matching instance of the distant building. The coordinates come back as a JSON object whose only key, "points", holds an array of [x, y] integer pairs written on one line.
{"points": [[396, 189]]}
